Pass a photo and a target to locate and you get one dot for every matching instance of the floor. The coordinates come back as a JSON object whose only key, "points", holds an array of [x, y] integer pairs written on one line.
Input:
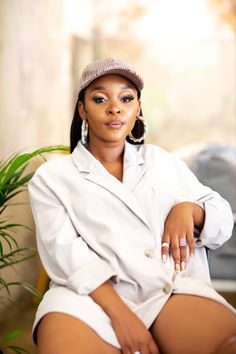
{"points": [[21, 316]]}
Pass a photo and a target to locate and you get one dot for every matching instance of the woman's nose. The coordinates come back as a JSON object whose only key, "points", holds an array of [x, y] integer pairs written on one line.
{"points": [[113, 109]]}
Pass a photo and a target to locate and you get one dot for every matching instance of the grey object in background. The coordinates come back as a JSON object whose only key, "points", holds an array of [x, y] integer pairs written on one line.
{"points": [[215, 166]]}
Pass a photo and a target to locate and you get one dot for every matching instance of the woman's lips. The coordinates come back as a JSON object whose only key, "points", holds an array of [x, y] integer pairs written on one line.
{"points": [[115, 124]]}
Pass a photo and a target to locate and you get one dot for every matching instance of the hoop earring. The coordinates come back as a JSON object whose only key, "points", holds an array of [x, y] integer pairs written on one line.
{"points": [[84, 131], [145, 131]]}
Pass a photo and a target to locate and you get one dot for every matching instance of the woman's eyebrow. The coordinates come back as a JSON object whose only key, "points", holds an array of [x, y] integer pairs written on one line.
{"points": [[98, 88]]}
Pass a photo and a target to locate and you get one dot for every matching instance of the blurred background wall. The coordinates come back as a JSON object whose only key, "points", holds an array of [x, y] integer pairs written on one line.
{"points": [[184, 49]]}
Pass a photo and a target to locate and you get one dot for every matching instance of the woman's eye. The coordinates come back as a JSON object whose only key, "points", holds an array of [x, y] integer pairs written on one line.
{"points": [[98, 99], [127, 98]]}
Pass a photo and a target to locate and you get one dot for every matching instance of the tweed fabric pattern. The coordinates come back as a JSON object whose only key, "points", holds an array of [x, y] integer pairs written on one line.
{"points": [[109, 66]]}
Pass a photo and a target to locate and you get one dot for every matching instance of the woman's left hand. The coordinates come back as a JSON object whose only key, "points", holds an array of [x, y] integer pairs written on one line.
{"points": [[179, 232]]}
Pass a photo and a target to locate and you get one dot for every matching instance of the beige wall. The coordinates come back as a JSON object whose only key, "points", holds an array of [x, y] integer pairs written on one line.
{"points": [[35, 94], [34, 65]]}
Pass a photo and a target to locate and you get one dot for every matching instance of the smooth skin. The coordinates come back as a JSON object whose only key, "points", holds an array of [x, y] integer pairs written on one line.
{"points": [[186, 324]]}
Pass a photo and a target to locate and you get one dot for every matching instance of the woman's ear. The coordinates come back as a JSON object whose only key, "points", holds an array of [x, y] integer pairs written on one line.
{"points": [[139, 108], [81, 109]]}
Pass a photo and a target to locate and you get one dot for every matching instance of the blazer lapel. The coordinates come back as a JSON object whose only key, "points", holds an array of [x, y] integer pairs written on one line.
{"points": [[94, 171]]}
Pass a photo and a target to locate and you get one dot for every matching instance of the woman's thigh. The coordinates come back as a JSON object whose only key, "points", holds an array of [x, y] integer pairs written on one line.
{"points": [[59, 333], [192, 324]]}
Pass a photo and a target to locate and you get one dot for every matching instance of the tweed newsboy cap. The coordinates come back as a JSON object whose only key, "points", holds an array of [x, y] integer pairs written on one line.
{"points": [[109, 66]]}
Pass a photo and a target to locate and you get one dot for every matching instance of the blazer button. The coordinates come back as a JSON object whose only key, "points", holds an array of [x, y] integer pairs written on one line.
{"points": [[167, 288], [150, 253]]}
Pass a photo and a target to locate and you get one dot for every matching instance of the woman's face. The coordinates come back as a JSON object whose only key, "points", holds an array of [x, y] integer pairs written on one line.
{"points": [[111, 107]]}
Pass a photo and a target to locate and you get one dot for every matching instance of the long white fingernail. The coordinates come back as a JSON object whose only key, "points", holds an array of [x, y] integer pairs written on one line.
{"points": [[177, 267], [192, 255], [183, 265], [164, 258]]}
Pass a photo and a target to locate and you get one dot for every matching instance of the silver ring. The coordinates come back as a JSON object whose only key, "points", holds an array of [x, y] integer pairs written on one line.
{"points": [[182, 242], [164, 244], [137, 353]]}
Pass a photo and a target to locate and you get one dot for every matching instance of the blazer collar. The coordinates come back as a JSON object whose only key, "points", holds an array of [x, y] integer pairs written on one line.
{"points": [[86, 162], [134, 168]]}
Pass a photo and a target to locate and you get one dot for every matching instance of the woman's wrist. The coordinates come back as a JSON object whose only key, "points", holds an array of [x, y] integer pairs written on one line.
{"points": [[198, 216], [106, 297]]}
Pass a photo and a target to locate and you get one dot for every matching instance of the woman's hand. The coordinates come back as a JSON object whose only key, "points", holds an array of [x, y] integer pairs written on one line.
{"points": [[179, 232], [131, 332]]}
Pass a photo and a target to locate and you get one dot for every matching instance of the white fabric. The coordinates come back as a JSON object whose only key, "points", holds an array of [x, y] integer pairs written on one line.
{"points": [[92, 228]]}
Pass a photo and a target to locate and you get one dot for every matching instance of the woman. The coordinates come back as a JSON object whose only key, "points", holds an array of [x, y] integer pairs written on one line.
{"points": [[115, 231]]}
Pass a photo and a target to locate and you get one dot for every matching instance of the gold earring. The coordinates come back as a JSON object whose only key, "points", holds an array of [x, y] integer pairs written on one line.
{"points": [[145, 130], [84, 131]]}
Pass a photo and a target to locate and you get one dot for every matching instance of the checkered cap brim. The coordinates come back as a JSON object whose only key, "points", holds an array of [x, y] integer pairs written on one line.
{"points": [[109, 66]]}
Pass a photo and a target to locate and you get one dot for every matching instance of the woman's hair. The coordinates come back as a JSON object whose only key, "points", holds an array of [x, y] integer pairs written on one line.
{"points": [[75, 129]]}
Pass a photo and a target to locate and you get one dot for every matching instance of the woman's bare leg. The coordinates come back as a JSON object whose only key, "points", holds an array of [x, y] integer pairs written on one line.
{"points": [[59, 333], [192, 324], [228, 347]]}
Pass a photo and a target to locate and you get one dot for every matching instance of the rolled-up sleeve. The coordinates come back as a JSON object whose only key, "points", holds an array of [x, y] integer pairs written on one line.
{"points": [[67, 258], [219, 222]]}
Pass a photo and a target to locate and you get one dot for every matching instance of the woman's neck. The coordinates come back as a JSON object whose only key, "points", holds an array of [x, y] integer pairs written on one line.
{"points": [[107, 153], [110, 156]]}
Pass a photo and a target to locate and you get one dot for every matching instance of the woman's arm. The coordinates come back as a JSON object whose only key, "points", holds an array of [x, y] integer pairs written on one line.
{"points": [[197, 206], [131, 332]]}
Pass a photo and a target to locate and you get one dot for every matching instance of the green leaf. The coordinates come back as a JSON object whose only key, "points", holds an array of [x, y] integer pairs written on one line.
{"points": [[13, 166], [9, 196], [47, 149], [18, 174], [17, 161], [5, 237], [1, 249], [10, 226], [13, 335], [17, 349], [29, 288], [15, 257], [11, 186], [5, 286], [17, 252]]}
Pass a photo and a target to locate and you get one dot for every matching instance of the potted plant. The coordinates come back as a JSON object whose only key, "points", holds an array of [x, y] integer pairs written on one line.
{"points": [[13, 181]]}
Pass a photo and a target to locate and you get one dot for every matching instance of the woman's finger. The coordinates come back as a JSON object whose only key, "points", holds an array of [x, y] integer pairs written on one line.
{"points": [[149, 348], [175, 251], [153, 348], [183, 251], [191, 243], [165, 245]]}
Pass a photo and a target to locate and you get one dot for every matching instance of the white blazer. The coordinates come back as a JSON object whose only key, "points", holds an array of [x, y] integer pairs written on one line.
{"points": [[92, 228]]}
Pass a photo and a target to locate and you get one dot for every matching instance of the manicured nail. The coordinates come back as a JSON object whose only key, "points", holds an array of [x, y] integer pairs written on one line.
{"points": [[192, 255], [164, 258], [183, 265], [177, 267]]}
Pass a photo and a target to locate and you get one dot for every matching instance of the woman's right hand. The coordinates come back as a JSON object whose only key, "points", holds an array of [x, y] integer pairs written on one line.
{"points": [[131, 332]]}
